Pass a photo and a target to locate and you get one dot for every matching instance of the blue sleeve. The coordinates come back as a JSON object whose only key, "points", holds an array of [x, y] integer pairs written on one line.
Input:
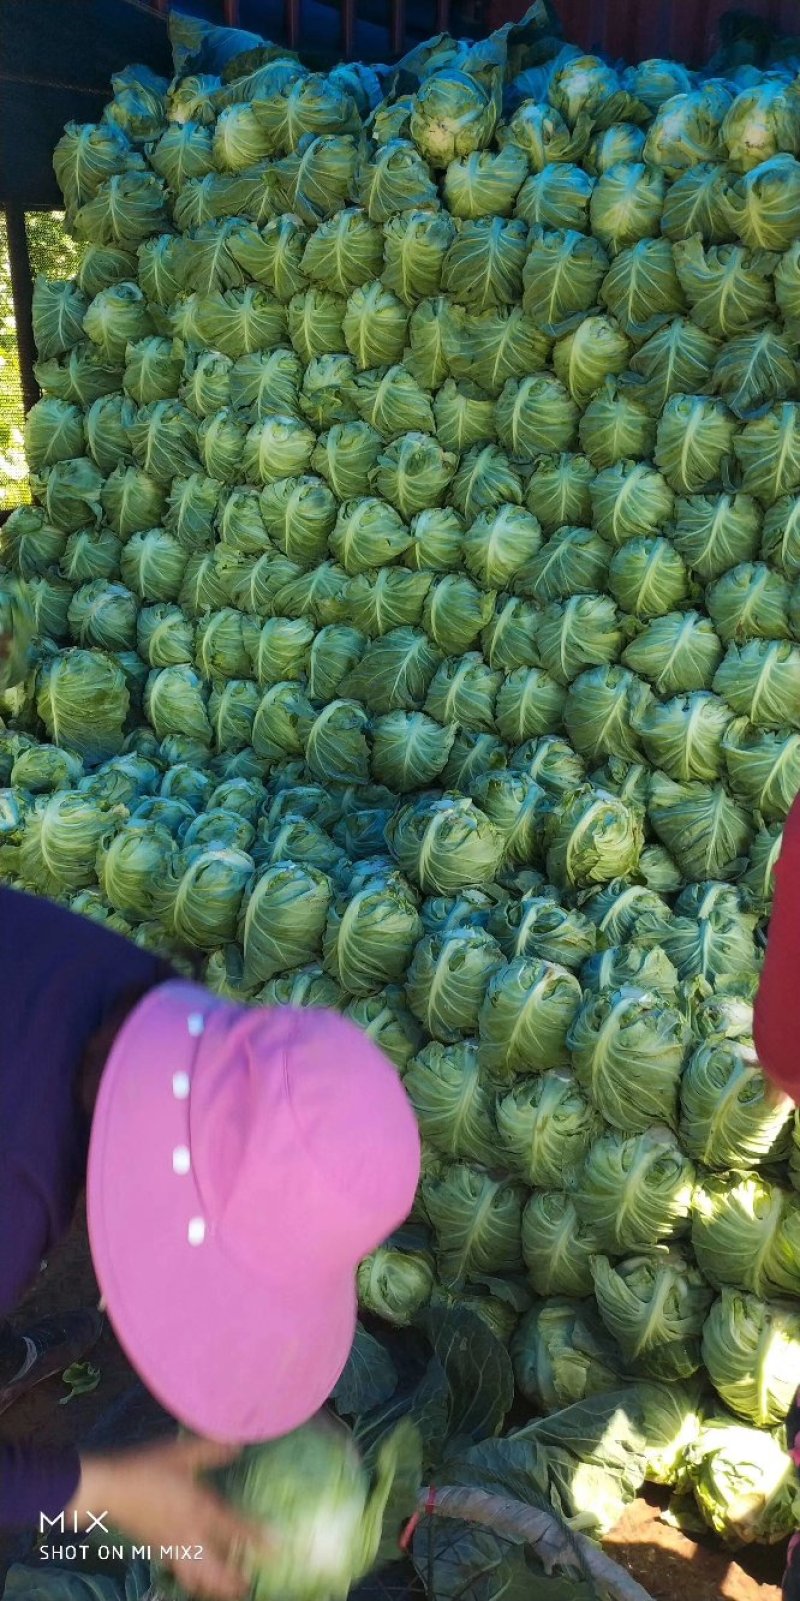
{"points": [[33, 1482]]}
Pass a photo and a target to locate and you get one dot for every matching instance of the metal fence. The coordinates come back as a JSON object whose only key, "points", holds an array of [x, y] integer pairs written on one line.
{"points": [[629, 29], [240, 14], [32, 243]]}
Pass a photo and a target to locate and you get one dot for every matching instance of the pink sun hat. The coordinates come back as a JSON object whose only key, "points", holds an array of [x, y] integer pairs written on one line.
{"points": [[242, 1162]]}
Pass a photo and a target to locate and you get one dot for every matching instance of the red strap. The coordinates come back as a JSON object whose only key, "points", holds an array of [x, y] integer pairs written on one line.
{"points": [[413, 1522]]}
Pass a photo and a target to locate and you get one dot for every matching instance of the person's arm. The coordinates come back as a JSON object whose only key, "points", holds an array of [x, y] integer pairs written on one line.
{"points": [[777, 1008], [156, 1495]]}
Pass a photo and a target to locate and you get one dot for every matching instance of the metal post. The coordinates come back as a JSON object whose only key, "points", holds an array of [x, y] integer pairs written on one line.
{"points": [[348, 29], [292, 23], [230, 11], [397, 27], [442, 16], [22, 294]]}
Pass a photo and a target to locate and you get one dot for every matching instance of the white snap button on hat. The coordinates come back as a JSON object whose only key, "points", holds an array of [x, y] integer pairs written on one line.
{"points": [[181, 1159], [180, 1086], [195, 1023], [197, 1231]]}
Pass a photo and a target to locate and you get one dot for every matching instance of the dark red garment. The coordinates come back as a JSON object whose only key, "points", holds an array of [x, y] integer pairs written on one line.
{"points": [[62, 977], [777, 1009], [776, 1033]]}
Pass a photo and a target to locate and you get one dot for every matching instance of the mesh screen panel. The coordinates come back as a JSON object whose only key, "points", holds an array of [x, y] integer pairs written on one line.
{"points": [[53, 253]]}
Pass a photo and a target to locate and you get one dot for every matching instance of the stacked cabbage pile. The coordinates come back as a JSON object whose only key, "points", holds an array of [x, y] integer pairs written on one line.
{"points": [[415, 566]]}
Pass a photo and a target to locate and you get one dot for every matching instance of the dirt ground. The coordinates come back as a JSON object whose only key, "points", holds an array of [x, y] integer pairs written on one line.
{"points": [[673, 1567], [670, 1566]]}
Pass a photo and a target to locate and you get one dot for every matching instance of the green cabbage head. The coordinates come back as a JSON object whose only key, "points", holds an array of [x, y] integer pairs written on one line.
{"points": [[453, 1103], [751, 1349], [731, 1112], [654, 1306], [635, 1190], [562, 1354], [525, 1018], [591, 839], [744, 1483], [397, 1279], [557, 1247], [452, 116], [627, 1050], [313, 1486], [746, 1233], [546, 1126], [445, 843], [477, 1221]]}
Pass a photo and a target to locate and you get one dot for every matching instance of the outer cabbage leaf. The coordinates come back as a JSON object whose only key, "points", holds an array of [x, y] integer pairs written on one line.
{"points": [[695, 438], [627, 1050], [454, 1107], [634, 1190], [654, 1306], [750, 1352], [557, 1247], [546, 1126], [743, 1483], [562, 1355], [684, 736], [477, 1222], [525, 1016], [745, 1232]]}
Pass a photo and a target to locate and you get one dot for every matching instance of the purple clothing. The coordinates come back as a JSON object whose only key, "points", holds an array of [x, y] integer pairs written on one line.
{"points": [[62, 976], [33, 1481]]}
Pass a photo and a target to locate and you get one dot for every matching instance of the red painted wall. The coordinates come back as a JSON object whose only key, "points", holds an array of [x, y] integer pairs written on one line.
{"points": [[636, 29]]}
